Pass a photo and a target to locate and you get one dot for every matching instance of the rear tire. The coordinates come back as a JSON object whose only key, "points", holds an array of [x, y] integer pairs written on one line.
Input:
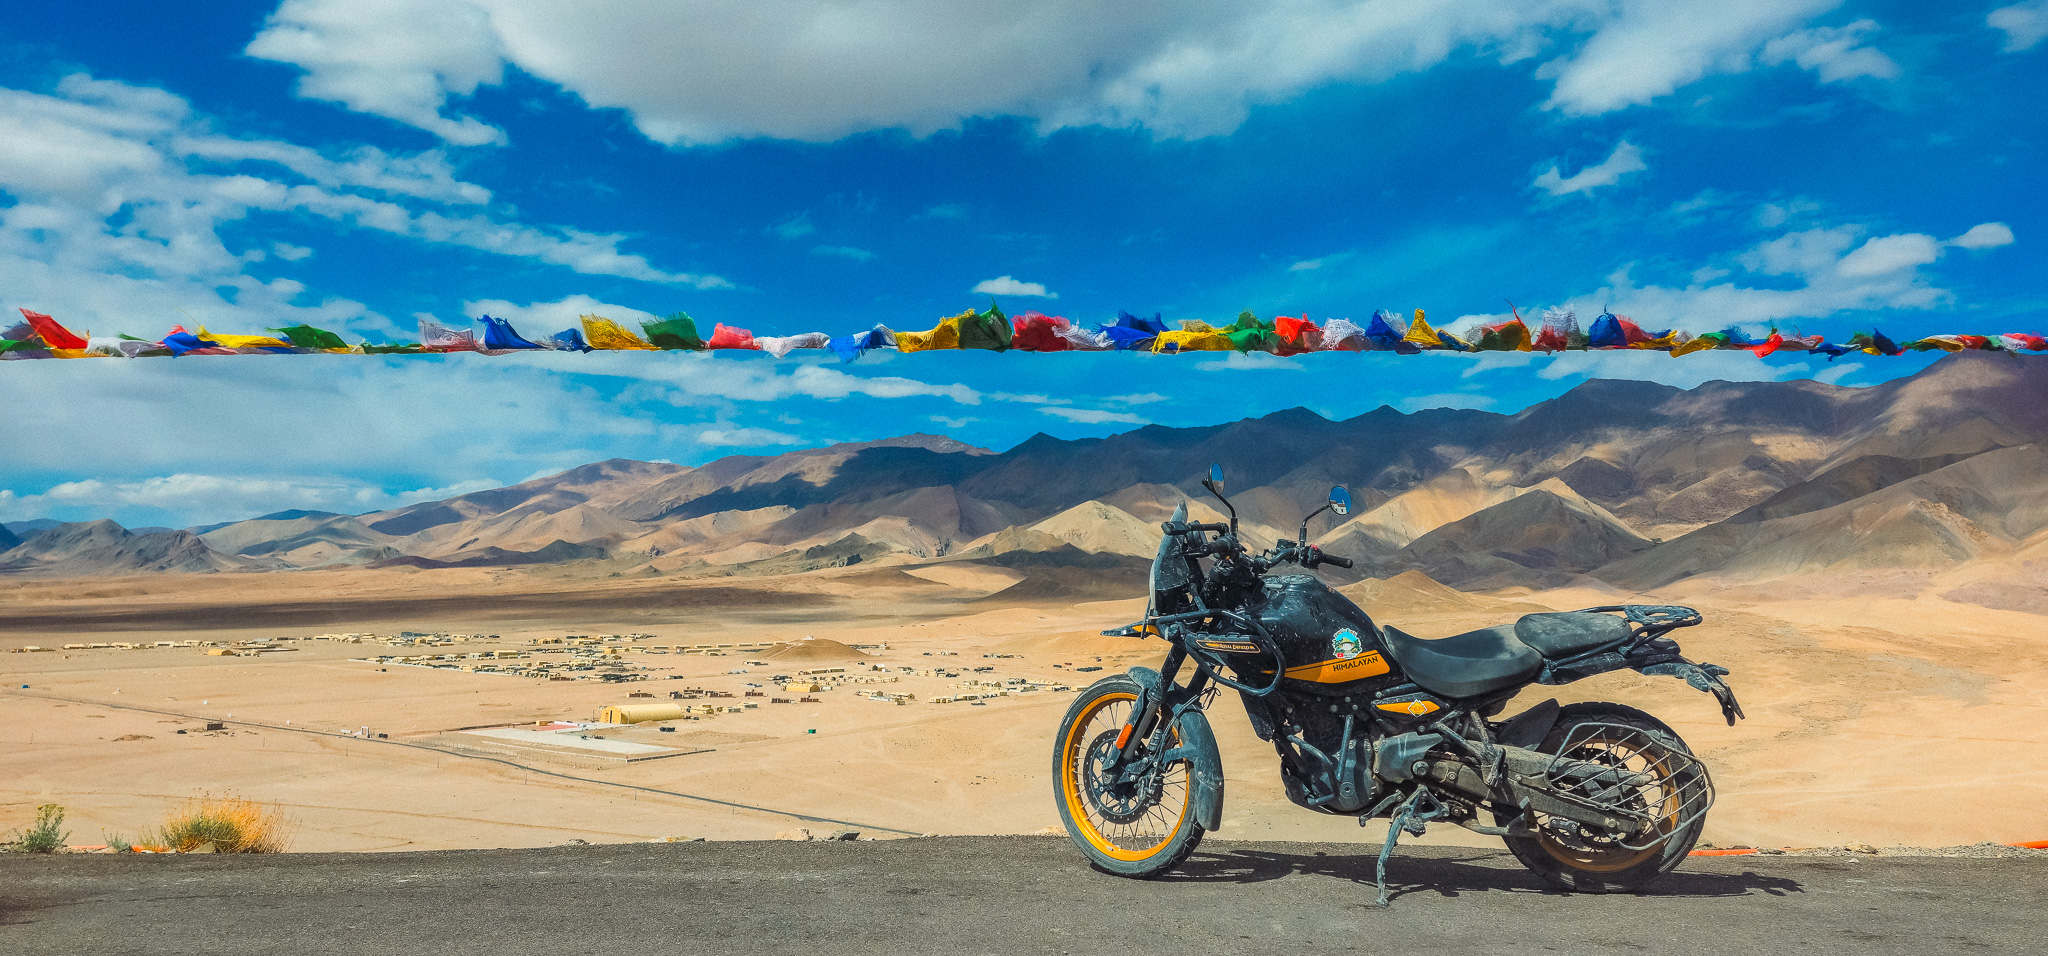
{"points": [[1139, 830], [1574, 863]]}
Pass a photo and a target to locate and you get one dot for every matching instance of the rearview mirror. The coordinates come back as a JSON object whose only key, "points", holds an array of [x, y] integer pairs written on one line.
{"points": [[1340, 500], [1216, 478]]}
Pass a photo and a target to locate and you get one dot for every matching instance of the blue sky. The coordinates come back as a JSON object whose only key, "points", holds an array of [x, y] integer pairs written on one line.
{"points": [[798, 165]]}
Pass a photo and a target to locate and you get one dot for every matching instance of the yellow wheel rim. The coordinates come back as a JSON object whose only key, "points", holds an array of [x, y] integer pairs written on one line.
{"points": [[1127, 842]]}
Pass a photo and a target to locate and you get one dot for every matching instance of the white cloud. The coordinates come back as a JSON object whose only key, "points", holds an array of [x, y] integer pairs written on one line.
{"points": [[1836, 371], [462, 423], [944, 210], [843, 252], [1244, 361], [1984, 235], [1833, 53], [1649, 48], [1415, 403], [683, 379], [197, 499], [1832, 270], [1687, 371], [1885, 255], [1091, 416], [1004, 285], [795, 227], [546, 318], [1627, 158], [2024, 24], [1306, 265], [1772, 215], [122, 198], [745, 437], [425, 175], [399, 59], [817, 70]]}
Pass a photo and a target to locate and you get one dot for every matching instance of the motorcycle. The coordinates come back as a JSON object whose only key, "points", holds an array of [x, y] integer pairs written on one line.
{"points": [[1371, 722]]}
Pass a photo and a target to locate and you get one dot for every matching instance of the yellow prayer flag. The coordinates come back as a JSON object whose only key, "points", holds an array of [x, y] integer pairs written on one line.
{"points": [[1204, 339], [1421, 334], [946, 335], [244, 341], [602, 333]]}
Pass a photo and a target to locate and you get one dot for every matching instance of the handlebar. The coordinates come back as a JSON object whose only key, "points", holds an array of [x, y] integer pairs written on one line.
{"points": [[1333, 559], [1192, 527]]}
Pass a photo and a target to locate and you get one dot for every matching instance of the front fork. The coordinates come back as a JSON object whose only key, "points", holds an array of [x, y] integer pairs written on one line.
{"points": [[1159, 695], [1143, 743]]}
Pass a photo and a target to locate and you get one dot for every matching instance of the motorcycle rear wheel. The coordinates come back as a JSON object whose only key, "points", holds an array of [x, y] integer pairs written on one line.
{"points": [[1139, 830], [1571, 860]]}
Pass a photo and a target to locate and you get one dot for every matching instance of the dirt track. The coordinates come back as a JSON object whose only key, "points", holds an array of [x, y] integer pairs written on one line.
{"points": [[994, 895]]}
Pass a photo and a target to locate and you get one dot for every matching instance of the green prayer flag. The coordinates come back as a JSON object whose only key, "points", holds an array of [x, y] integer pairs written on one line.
{"points": [[986, 330], [677, 332], [308, 337]]}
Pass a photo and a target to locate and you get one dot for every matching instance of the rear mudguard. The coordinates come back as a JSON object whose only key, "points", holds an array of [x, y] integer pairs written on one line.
{"points": [[1197, 746]]}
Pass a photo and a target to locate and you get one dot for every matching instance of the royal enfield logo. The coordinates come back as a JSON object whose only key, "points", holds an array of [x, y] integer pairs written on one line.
{"points": [[1345, 644]]}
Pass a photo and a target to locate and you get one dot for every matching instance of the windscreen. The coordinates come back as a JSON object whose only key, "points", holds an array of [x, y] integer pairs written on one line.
{"points": [[1170, 571]]}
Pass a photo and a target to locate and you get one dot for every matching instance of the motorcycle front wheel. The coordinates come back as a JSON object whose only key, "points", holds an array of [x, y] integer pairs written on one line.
{"points": [[1139, 827]]}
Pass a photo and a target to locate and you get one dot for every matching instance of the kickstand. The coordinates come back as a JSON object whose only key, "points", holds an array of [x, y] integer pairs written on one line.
{"points": [[1408, 818]]}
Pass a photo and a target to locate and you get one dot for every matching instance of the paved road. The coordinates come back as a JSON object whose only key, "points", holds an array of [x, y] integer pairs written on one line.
{"points": [[993, 895]]}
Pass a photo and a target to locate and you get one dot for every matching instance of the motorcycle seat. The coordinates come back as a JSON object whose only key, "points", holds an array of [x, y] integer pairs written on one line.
{"points": [[1565, 633], [1464, 665]]}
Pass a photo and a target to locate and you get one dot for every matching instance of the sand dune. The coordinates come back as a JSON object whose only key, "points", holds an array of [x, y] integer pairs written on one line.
{"points": [[814, 649]]}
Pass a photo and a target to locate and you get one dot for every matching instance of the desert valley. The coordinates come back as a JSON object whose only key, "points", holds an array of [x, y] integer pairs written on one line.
{"points": [[1872, 563]]}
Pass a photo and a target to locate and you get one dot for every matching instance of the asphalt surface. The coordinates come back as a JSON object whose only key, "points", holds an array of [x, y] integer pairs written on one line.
{"points": [[970, 895]]}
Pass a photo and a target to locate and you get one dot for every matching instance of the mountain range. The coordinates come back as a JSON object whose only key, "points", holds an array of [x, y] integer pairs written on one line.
{"points": [[1935, 480]]}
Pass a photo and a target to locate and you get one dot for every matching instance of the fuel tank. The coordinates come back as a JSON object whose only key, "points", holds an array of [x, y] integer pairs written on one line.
{"points": [[1332, 647]]}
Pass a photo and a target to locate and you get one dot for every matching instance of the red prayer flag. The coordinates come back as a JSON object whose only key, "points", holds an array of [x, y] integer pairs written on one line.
{"points": [[728, 337], [1038, 332], [1294, 334], [54, 335]]}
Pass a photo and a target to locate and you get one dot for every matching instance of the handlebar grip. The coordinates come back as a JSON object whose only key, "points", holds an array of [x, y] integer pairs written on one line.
{"points": [[1333, 559], [1213, 528]]}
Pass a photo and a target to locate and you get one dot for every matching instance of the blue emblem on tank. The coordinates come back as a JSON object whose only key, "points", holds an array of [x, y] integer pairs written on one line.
{"points": [[1345, 644]]}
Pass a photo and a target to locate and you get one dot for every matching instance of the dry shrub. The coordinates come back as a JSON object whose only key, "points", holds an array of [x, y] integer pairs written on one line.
{"points": [[231, 824], [47, 834]]}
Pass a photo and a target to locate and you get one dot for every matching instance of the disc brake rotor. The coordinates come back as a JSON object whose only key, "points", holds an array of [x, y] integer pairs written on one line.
{"points": [[1118, 803]]}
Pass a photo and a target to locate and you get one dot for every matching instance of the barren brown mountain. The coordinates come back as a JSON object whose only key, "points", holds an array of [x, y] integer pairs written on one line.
{"points": [[1633, 483]]}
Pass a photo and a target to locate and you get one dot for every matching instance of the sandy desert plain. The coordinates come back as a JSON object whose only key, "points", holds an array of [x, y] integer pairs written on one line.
{"points": [[1871, 720]]}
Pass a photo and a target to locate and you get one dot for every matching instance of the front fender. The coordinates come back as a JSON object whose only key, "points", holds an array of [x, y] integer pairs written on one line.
{"points": [[1205, 767]]}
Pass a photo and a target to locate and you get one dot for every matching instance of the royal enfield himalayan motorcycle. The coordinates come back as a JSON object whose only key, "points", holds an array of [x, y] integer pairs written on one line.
{"points": [[1370, 722]]}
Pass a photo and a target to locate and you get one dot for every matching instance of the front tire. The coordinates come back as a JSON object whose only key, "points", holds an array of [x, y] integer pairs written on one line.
{"points": [[1575, 860], [1138, 829]]}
